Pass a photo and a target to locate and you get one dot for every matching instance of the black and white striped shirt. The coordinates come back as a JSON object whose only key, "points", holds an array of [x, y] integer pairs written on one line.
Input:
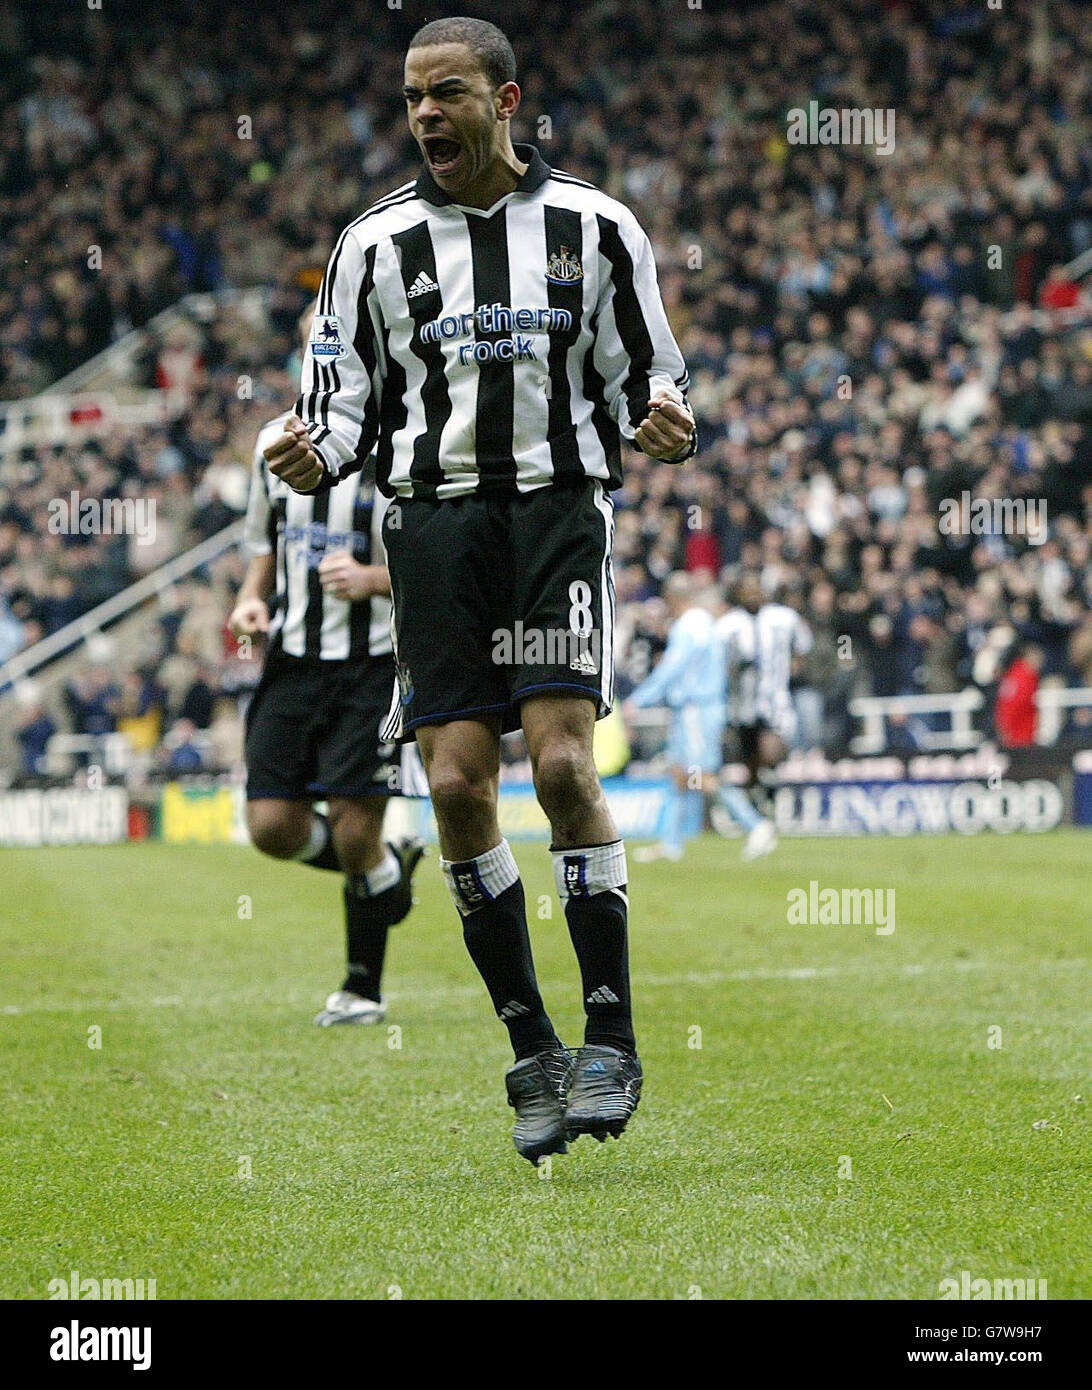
{"points": [[487, 351], [300, 530], [759, 649]]}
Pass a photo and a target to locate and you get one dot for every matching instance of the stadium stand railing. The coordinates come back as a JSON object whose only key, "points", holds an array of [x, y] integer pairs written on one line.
{"points": [[114, 363], [1052, 701], [25, 663], [98, 395], [955, 709], [50, 419]]}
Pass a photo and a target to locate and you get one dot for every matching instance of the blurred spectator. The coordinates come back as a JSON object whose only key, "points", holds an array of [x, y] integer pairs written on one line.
{"points": [[1015, 713], [11, 631], [140, 710], [181, 754], [35, 729], [197, 703], [92, 701]]}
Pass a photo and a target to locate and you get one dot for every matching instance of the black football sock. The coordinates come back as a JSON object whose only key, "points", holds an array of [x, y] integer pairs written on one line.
{"points": [[489, 896], [591, 882], [319, 851], [372, 906]]}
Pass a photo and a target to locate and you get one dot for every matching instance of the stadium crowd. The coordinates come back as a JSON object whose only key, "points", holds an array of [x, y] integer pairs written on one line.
{"points": [[869, 335]]}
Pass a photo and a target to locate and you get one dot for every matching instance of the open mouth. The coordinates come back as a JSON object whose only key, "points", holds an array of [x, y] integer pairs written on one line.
{"points": [[442, 153]]}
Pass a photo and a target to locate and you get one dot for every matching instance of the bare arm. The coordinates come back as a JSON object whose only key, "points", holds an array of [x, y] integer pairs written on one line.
{"points": [[251, 611]]}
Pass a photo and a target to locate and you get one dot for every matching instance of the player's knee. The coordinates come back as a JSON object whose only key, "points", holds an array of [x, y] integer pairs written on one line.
{"points": [[458, 793], [276, 841], [565, 775], [274, 831], [356, 827]]}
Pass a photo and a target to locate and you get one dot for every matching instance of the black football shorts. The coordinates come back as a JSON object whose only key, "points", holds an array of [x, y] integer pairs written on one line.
{"points": [[312, 730], [497, 598]]}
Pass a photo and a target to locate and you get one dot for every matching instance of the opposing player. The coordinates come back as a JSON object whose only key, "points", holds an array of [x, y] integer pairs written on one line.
{"points": [[763, 644], [689, 680], [313, 723], [497, 324]]}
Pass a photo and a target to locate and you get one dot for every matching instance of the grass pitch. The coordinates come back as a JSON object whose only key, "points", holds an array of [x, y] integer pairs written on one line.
{"points": [[852, 1123]]}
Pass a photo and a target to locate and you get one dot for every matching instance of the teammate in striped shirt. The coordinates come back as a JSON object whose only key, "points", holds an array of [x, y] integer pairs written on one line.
{"points": [[762, 643], [313, 723], [490, 329]]}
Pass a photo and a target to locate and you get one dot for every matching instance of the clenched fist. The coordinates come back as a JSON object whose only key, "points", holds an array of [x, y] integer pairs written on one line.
{"points": [[666, 430], [248, 617], [293, 457]]}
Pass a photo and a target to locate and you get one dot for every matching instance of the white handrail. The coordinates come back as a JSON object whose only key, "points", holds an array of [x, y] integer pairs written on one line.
{"points": [[1063, 696], [47, 420], [872, 710], [1051, 700], [1080, 265], [21, 665]]}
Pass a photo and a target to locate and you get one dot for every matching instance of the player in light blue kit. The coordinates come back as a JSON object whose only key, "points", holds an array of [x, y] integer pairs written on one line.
{"points": [[690, 680]]}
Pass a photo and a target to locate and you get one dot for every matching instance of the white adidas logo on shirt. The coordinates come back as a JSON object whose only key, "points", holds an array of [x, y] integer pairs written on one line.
{"points": [[421, 285]]}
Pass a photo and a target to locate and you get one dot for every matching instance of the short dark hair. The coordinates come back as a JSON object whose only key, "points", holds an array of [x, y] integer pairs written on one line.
{"points": [[488, 45]]}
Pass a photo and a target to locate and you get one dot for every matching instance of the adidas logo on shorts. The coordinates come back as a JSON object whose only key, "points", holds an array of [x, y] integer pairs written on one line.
{"points": [[585, 663], [422, 285]]}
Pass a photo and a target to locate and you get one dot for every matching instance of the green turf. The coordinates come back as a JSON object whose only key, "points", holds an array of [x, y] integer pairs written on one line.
{"points": [[376, 1169]]}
